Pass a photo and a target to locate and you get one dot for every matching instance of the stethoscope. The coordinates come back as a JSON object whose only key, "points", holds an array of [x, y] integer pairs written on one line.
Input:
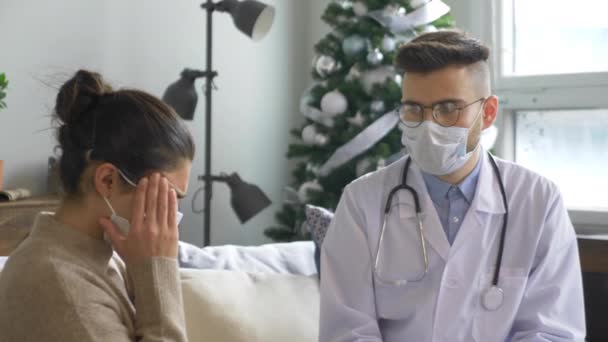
{"points": [[493, 297]]}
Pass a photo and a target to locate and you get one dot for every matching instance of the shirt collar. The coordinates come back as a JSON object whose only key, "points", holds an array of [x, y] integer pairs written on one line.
{"points": [[438, 189]]}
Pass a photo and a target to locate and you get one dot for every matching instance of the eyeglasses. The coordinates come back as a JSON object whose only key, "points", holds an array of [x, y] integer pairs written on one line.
{"points": [[180, 194], [445, 113]]}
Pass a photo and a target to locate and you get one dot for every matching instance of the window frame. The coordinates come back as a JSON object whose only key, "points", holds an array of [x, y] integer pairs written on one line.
{"points": [[536, 92]]}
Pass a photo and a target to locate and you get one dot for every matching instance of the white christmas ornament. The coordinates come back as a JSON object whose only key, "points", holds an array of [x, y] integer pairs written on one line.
{"points": [[352, 45], [321, 140], [388, 44], [360, 8], [376, 76], [399, 79], [305, 187], [375, 57], [378, 106], [308, 134], [358, 120], [334, 103]]}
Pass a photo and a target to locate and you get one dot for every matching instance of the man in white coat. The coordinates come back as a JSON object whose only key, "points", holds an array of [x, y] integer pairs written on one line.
{"points": [[446, 278]]}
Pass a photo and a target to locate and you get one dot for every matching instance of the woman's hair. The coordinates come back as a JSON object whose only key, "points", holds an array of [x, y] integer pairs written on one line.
{"points": [[131, 129]]}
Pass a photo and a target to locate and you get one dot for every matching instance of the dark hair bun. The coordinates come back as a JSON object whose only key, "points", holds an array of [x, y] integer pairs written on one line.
{"points": [[78, 94]]}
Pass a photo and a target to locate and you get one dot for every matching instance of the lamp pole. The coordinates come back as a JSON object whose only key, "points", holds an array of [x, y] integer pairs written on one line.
{"points": [[209, 6]]}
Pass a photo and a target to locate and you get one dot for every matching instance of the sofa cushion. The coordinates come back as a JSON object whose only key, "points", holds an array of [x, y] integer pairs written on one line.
{"points": [[235, 306], [317, 223]]}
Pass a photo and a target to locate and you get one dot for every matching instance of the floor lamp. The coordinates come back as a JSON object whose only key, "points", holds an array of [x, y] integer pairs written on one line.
{"points": [[254, 19]]}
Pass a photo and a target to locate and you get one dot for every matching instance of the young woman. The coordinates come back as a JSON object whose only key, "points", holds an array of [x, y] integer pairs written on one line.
{"points": [[104, 267]]}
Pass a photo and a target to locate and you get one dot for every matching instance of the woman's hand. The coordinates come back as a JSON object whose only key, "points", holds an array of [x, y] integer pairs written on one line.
{"points": [[153, 230]]}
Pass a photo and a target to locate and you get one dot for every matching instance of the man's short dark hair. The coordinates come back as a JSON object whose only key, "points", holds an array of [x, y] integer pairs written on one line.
{"points": [[436, 50]]}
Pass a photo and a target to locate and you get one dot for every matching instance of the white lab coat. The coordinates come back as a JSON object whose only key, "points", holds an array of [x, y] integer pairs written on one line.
{"points": [[540, 274]]}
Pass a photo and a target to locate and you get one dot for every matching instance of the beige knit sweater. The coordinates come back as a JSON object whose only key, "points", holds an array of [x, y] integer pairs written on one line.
{"points": [[63, 285]]}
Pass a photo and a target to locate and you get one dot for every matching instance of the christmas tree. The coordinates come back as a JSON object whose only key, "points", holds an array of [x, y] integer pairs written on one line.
{"points": [[350, 124]]}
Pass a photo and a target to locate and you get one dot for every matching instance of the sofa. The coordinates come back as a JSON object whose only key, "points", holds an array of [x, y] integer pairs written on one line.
{"points": [[261, 293]]}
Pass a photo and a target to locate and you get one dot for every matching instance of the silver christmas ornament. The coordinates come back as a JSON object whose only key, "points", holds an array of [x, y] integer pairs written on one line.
{"points": [[325, 65], [375, 57]]}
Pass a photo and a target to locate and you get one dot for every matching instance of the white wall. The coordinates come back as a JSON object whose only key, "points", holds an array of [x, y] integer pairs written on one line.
{"points": [[145, 44]]}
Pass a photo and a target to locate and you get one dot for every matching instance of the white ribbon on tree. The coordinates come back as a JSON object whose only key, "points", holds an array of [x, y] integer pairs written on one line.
{"points": [[360, 143], [399, 24]]}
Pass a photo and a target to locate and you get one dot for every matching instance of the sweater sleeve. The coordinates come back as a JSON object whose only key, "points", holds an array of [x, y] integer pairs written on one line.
{"points": [[159, 309]]}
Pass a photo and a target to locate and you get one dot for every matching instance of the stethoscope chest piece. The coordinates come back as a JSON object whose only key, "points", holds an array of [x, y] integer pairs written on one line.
{"points": [[492, 299]]}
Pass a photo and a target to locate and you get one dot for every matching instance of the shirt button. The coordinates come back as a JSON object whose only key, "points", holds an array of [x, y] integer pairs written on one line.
{"points": [[456, 219]]}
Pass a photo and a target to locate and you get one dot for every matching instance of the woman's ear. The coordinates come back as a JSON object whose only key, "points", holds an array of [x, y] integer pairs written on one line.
{"points": [[105, 179], [490, 110]]}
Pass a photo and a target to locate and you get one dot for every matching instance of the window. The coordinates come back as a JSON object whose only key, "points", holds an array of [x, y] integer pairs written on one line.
{"points": [[569, 147], [550, 71], [555, 37]]}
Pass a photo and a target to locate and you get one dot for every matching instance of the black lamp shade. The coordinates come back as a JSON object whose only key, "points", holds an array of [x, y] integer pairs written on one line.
{"points": [[251, 17], [182, 96], [247, 199]]}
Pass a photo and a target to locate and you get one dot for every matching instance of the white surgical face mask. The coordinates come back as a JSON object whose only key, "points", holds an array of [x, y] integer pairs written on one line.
{"points": [[436, 149]]}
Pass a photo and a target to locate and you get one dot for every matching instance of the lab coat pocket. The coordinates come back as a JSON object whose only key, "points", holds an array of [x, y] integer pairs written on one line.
{"points": [[398, 302], [494, 325]]}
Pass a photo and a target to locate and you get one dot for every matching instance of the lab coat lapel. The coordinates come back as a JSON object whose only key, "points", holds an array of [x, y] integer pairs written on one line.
{"points": [[486, 202]]}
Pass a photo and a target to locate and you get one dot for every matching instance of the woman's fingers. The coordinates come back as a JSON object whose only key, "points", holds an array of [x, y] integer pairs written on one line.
{"points": [[139, 205], [172, 213], [162, 203], [151, 201]]}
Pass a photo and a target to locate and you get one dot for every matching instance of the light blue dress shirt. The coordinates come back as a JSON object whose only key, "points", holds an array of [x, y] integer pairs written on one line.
{"points": [[452, 201]]}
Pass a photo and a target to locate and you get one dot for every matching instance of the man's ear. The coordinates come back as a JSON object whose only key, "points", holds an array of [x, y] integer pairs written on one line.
{"points": [[105, 179], [490, 111]]}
